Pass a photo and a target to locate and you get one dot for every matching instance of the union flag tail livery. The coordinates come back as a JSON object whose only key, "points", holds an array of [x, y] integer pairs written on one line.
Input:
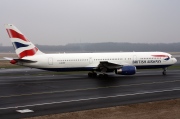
{"points": [[23, 47], [121, 63]]}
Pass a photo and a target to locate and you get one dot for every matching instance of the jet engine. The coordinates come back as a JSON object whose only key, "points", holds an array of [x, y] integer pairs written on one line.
{"points": [[126, 70]]}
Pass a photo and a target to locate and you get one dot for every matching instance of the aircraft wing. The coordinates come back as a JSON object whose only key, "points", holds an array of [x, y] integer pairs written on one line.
{"points": [[104, 66]]}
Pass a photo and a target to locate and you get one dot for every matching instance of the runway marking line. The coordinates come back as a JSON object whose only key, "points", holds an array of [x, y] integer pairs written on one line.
{"points": [[24, 111], [44, 81], [87, 99], [52, 92], [76, 77]]}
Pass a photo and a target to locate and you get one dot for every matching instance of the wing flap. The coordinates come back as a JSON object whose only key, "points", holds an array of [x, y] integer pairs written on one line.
{"points": [[109, 65], [106, 66]]}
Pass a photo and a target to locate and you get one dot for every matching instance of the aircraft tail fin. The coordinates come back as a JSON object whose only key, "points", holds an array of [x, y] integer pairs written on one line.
{"points": [[23, 47]]}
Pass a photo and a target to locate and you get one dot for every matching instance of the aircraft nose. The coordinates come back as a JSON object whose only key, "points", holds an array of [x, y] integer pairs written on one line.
{"points": [[175, 60]]}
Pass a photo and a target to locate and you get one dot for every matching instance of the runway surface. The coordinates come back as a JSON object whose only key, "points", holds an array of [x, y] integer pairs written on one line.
{"points": [[24, 93]]}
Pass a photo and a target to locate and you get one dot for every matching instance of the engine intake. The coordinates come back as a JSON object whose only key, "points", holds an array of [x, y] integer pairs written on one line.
{"points": [[126, 70]]}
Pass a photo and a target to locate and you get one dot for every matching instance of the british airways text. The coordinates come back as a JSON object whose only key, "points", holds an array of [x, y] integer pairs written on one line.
{"points": [[146, 61]]}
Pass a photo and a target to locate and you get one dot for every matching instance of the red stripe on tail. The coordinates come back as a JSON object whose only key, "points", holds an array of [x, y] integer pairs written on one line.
{"points": [[30, 52], [14, 34]]}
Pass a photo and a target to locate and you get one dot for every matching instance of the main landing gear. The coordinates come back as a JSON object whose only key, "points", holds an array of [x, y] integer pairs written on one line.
{"points": [[94, 75], [103, 76], [164, 71]]}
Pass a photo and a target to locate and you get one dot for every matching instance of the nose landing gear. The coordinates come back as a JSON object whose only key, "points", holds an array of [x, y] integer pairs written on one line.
{"points": [[164, 71]]}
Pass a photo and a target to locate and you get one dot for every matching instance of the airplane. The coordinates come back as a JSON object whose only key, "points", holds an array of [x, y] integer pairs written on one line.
{"points": [[121, 63]]}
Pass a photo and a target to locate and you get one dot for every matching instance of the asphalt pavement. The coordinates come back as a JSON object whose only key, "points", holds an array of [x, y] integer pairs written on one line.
{"points": [[27, 93]]}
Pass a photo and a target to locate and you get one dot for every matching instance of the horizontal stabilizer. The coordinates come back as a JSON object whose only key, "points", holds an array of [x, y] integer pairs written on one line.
{"points": [[8, 58], [20, 60], [25, 60]]}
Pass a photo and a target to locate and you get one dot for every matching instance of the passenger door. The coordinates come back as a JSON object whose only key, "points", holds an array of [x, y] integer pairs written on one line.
{"points": [[50, 61]]}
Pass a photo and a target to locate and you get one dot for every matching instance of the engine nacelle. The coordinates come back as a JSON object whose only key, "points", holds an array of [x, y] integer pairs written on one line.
{"points": [[126, 70]]}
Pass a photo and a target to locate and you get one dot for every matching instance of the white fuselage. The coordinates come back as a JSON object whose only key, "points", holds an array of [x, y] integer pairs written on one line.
{"points": [[88, 61], [124, 63]]}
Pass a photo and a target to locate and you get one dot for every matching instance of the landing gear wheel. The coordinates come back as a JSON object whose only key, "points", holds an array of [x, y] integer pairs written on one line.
{"points": [[92, 74], [164, 72], [103, 76], [100, 76]]}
